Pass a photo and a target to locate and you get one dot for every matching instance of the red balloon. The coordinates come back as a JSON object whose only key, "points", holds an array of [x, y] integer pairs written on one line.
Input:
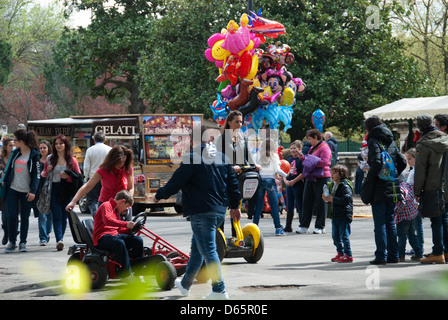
{"points": [[245, 64], [285, 166]]}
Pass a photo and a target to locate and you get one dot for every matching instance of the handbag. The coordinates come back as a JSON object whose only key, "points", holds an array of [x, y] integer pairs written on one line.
{"points": [[43, 204], [310, 170], [367, 191], [2, 180], [432, 203]]}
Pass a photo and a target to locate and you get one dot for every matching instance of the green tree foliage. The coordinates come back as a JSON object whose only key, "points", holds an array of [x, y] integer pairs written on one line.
{"points": [[348, 67], [104, 55], [31, 29], [5, 61], [155, 51], [176, 75]]}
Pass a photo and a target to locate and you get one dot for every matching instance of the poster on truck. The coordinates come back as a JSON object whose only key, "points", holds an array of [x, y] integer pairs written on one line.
{"points": [[167, 137]]}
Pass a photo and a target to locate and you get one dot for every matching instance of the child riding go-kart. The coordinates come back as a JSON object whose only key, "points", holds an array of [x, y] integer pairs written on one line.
{"points": [[101, 264]]}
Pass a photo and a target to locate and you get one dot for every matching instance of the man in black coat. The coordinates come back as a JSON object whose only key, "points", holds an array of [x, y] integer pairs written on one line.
{"points": [[381, 194]]}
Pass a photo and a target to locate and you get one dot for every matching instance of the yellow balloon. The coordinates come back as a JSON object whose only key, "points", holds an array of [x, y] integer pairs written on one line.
{"points": [[287, 97], [254, 69], [249, 47], [218, 52]]}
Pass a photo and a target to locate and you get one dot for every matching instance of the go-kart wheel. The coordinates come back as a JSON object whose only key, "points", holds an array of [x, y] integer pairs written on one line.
{"points": [[74, 259], [139, 221], [165, 275], [98, 274], [258, 253]]}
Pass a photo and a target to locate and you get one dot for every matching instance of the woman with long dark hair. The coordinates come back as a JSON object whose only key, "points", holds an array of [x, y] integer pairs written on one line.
{"points": [[60, 161], [22, 179], [8, 146], [45, 221], [115, 174]]}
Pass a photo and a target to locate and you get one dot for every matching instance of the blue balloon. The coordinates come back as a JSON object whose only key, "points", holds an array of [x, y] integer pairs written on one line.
{"points": [[285, 116], [318, 119], [219, 110]]}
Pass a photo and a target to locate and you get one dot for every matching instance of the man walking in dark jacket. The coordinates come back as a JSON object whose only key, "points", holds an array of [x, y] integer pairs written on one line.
{"points": [[209, 186]]}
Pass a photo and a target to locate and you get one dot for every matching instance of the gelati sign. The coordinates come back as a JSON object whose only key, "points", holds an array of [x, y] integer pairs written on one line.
{"points": [[122, 127]]}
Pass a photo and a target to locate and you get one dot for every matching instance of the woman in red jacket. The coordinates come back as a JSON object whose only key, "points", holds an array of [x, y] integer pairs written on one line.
{"points": [[115, 174]]}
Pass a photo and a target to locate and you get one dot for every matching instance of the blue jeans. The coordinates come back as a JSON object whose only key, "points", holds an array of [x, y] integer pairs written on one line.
{"points": [[203, 247], [45, 222], [294, 198], [58, 212], [418, 224], [269, 186], [359, 177], [406, 230], [439, 227], [13, 200], [92, 198], [340, 233], [123, 247], [385, 232]]}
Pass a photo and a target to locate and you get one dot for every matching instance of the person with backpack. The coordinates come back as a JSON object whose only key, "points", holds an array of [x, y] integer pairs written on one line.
{"points": [[341, 198], [381, 188]]}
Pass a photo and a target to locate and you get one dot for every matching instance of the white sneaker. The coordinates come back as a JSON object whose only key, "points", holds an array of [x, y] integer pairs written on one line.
{"points": [[302, 230], [319, 231], [60, 245], [217, 296], [183, 291]]}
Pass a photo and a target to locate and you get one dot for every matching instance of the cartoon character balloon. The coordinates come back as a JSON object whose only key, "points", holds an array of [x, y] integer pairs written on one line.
{"points": [[318, 119], [252, 80]]}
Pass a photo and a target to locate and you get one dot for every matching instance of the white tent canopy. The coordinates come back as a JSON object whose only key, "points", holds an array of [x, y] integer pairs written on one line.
{"points": [[408, 109]]}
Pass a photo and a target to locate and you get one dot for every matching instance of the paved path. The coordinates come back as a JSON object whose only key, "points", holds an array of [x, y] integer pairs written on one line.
{"points": [[294, 267]]}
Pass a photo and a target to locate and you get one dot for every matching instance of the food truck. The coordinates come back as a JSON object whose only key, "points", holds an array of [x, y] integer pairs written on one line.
{"points": [[158, 141]]}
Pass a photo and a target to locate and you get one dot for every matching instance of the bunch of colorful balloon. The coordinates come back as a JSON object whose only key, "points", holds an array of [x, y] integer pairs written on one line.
{"points": [[251, 80]]}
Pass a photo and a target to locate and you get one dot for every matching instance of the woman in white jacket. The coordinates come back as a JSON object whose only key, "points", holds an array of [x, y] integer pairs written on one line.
{"points": [[269, 162]]}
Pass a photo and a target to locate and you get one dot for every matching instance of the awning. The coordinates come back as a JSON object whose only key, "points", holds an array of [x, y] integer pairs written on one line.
{"points": [[410, 108], [60, 121], [52, 127]]}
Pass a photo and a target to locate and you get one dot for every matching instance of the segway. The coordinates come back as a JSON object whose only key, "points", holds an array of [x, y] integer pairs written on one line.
{"points": [[248, 242]]}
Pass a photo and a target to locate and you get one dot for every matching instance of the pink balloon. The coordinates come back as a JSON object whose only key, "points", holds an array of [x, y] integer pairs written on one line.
{"points": [[208, 55], [237, 41], [214, 37]]}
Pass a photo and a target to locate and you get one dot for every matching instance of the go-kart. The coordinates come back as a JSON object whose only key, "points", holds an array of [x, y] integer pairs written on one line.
{"points": [[248, 242], [101, 263], [160, 246]]}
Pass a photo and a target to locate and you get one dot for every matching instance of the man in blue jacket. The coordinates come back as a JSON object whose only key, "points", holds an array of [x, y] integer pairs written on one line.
{"points": [[209, 186]]}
